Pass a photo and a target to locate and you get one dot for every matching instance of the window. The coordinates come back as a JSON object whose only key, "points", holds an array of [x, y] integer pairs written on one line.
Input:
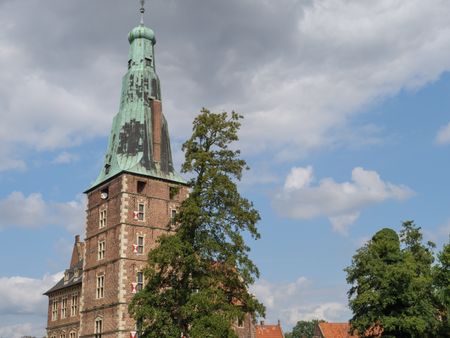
{"points": [[139, 281], [64, 308], [73, 335], [148, 62], [140, 187], [62, 335], [173, 214], [98, 328], [173, 192], [55, 310], [141, 211], [102, 220], [101, 250], [140, 244], [100, 286], [240, 323], [74, 305]]}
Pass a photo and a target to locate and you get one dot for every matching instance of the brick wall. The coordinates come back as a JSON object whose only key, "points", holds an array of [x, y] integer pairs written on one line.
{"points": [[121, 263]]}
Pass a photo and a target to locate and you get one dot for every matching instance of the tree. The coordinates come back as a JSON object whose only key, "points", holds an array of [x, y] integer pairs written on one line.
{"points": [[198, 278], [303, 329], [441, 276], [392, 286]]}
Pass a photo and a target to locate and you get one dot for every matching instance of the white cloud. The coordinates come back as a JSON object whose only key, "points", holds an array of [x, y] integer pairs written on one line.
{"points": [[340, 202], [298, 178], [300, 300], [443, 136], [65, 158], [22, 295], [298, 70], [345, 55], [33, 211], [22, 330]]}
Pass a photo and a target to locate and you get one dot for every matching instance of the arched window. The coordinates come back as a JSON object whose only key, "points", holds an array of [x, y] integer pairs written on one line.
{"points": [[98, 328]]}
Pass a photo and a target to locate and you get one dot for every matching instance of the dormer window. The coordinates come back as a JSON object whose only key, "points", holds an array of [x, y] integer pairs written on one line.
{"points": [[130, 62], [148, 62]]}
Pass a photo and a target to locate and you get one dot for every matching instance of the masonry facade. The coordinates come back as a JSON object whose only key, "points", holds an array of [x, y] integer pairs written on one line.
{"points": [[131, 204]]}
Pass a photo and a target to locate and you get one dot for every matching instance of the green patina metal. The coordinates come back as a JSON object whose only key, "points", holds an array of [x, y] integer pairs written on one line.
{"points": [[130, 146]]}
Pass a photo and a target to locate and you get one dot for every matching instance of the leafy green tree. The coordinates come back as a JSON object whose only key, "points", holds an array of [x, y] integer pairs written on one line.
{"points": [[392, 286], [198, 278], [303, 329], [441, 275]]}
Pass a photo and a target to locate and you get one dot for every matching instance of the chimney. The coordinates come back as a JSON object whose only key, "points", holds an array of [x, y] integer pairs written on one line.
{"points": [[279, 323], [77, 239], [156, 108], [262, 322]]}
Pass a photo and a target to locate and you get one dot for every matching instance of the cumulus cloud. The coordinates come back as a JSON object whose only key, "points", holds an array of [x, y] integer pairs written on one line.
{"points": [[298, 70], [443, 136], [299, 300], [22, 330], [23, 296], [340, 202], [33, 211], [23, 302], [65, 158]]}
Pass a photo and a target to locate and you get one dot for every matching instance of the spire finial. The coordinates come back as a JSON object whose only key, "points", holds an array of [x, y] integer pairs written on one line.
{"points": [[142, 11]]}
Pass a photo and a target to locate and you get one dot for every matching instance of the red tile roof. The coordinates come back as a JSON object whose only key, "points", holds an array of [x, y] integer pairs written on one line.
{"points": [[335, 330], [269, 331]]}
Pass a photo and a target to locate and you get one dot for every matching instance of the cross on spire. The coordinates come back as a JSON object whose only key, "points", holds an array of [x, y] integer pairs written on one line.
{"points": [[142, 11]]}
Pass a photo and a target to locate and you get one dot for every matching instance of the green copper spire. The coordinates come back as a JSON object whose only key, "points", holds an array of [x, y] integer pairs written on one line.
{"points": [[139, 142]]}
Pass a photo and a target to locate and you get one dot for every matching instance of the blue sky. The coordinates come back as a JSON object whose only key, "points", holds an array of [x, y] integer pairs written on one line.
{"points": [[347, 130]]}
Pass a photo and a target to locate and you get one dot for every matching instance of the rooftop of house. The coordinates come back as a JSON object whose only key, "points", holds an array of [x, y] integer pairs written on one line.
{"points": [[335, 330], [269, 331], [73, 275]]}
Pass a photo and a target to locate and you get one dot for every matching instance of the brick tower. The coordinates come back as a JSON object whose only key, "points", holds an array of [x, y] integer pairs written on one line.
{"points": [[132, 201]]}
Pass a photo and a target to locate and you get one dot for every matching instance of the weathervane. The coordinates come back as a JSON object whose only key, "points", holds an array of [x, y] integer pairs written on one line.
{"points": [[142, 11]]}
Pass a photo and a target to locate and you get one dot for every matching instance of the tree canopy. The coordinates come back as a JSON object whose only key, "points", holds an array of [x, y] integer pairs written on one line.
{"points": [[198, 278], [303, 329], [393, 286]]}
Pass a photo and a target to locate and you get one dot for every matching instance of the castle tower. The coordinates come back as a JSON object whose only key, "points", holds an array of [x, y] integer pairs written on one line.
{"points": [[132, 201]]}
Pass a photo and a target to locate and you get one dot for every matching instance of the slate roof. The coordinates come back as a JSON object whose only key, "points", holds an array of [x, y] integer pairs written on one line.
{"points": [[72, 279], [268, 331], [74, 274], [335, 330]]}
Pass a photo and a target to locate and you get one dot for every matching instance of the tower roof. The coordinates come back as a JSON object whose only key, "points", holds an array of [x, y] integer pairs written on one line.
{"points": [[139, 141]]}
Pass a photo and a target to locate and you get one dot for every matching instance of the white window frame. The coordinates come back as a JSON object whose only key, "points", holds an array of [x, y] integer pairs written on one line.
{"points": [[240, 323], [55, 310], [139, 281], [101, 250], [74, 305], [98, 328], [173, 214], [141, 212], [140, 246], [64, 308], [100, 290], [103, 216]]}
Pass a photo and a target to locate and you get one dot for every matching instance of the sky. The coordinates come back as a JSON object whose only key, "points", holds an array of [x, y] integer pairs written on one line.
{"points": [[346, 130]]}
